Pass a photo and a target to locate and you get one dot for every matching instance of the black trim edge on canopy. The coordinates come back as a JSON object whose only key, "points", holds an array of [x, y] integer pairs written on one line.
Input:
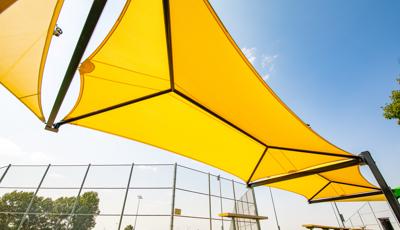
{"points": [[168, 36], [319, 191], [258, 163], [309, 172], [57, 125], [345, 197]]}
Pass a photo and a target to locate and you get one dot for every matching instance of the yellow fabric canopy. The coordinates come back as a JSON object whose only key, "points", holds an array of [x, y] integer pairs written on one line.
{"points": [[170, 75], [26, 30]]}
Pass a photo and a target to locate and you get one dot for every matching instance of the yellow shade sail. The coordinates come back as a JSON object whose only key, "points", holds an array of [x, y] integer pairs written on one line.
{"points": [[169, 75], [26, 30]]}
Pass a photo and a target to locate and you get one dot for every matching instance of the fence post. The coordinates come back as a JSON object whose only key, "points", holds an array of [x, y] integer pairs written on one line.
{"points": [[351, 223], [32, 199], [255, 208], [248, 208], [173, 197], [220, 201], [126, 196], [235, 222], [71, 215], [273, 206], [241, 202], [5, 172], [362, 221], [373, 213], [209, 200], [340, 214]]}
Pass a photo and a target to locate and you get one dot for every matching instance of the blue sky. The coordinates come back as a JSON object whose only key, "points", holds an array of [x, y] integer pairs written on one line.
{"points": [[333, 62]]}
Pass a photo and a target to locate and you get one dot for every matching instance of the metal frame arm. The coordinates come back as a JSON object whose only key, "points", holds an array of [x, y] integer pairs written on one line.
{"points": [[304, 173], [344, 197]]}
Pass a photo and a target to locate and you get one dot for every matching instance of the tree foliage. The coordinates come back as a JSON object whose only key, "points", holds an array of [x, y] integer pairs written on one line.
{"points": [[48, 214], [392, 110], [128, 227]]}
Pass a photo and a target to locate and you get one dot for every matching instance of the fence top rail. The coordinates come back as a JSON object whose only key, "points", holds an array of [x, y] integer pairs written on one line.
{"points": [[85, 187], [217, 176], [81, 165], [121, 165]]}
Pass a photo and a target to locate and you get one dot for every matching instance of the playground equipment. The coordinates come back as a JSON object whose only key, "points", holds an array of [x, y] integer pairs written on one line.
{"points": [[386, 224], [396, 192]]}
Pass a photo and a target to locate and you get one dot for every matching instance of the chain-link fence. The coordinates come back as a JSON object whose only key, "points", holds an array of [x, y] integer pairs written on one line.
{"points": [[124, 196], [368, 216]]}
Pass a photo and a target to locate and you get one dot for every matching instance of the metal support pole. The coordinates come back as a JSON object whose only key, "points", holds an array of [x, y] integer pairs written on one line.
{"points": [[362, 221], [248, 209], [5, 172], [394, 204], [234, 205], [209, 200], [87, 31], [71, 215], [255, 208], [220, 200], [340, 214], [373, 213], [126, 196], [273, 206], [137, 211], [351, 222], [334, 212], [241, 203], [173, 197], [32, 199]]}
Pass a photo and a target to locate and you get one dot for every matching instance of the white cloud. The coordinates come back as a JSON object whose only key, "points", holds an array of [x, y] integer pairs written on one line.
{"points": [[9, 148], [250, 54], [10, 152], [268, 64], [265, 76]]}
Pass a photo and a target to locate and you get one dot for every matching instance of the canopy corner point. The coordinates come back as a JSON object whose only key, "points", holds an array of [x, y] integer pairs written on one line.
{"points": [[51, 128]]}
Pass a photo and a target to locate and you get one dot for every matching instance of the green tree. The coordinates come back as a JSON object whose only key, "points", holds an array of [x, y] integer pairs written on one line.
{"points": [[392, 110], [128, 227], [88, 203], [13, 204]]}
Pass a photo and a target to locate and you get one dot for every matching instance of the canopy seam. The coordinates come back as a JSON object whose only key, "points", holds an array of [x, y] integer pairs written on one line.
{"points": [[31, 95], [126, 69], [119, 82], [356, 185]]}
